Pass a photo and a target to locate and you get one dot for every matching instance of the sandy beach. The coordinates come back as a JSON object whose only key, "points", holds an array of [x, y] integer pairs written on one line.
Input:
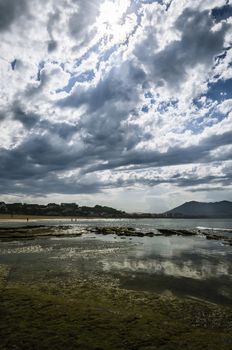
{"points": [[8, 217]]}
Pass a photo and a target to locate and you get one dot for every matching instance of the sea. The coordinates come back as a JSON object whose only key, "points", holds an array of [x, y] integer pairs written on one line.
{"points": [[139, 223], [191, 267]]}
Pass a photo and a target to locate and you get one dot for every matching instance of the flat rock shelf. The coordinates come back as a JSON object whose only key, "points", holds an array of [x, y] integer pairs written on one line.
{"points": [[114, 288], [33, 231]]}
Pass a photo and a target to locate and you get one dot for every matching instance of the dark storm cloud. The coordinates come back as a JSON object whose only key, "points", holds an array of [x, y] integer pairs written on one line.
{"points": [[35, 157], [47, 185], [63, 130], [2, 116], [180, 180], [34, 121], [52, 45], [53, 19], [38, 156], [207, 180], [103, 129], [198, 45], [50, 183], [108, 142], [174, 156], [28, 120], [205, 189], [9, 11], [119, 85], [106, 136]]}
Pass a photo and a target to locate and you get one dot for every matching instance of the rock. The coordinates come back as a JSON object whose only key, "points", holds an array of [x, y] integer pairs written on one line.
{"points": [[212, 236], [122, 231], [150, 234], [171, 232]]}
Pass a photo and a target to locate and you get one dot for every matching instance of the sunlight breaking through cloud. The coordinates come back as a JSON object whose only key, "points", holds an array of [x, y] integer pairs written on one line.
{"points": [[115, 97]]}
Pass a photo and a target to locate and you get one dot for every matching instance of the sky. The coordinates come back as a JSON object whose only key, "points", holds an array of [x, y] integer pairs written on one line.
{"points": [[125, 103]]}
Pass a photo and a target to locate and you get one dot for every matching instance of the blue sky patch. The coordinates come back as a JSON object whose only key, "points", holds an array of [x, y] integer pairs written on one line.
{"points": [[220, 91], [221, 13]]}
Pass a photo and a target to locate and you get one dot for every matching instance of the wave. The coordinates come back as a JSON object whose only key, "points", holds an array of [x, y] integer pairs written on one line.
{"points": [[214, 228]]}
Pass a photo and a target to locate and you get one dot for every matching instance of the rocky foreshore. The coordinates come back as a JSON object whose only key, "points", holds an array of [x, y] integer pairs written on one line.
{"points": [[57, 304], [119, 231], [218, 237], [33, 231], [96, 315], [132, 232], [30, 232]]}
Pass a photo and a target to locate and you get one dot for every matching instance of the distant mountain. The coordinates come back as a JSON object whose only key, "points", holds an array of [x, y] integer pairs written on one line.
{"points": [[187, 210], [197, 209]]}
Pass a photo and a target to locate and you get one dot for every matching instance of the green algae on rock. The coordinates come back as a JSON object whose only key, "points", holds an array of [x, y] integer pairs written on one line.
{"points": [[88, 315], [31, 232]]}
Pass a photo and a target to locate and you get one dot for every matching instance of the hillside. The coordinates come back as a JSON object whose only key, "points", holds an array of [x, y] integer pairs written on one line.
{"points": [[63, 209], [198, 209]]}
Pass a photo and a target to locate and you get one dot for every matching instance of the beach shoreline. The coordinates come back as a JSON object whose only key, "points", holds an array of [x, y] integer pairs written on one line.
{"points": [[8, 217]]}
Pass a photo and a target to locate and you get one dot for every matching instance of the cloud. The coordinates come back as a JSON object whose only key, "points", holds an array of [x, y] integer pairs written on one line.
{"points": [[81, 21], [93, 105], [9, 11], [197, 44]]}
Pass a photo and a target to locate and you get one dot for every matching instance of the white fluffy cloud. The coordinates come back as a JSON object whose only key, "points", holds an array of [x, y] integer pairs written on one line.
{"points": [[101, 95]]}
